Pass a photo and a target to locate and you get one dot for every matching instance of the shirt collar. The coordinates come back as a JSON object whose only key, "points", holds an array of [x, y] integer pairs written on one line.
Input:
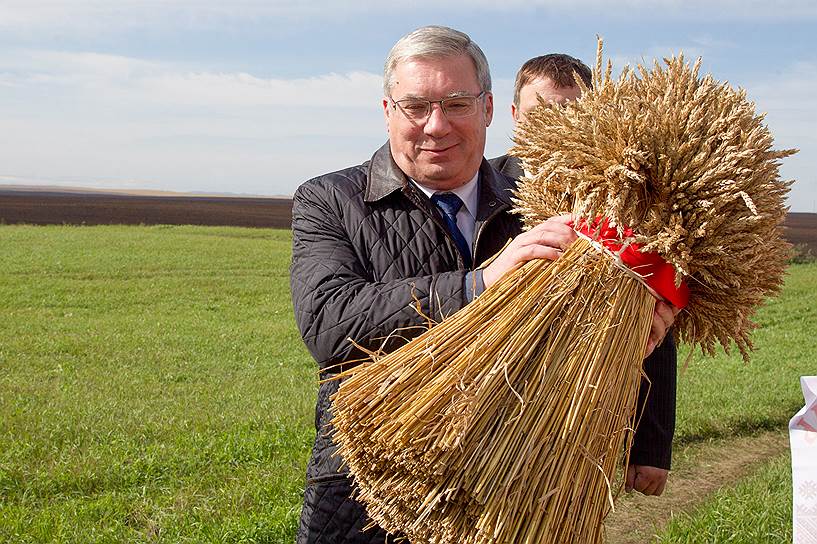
{"points": [[468, 193]]}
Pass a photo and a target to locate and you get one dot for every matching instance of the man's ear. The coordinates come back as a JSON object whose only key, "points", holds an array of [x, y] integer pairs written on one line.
{"points": [[514, 113], [489, 108], [386, 112]]}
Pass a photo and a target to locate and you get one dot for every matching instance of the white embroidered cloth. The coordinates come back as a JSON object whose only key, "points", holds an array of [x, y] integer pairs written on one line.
{"points": [[803, 437]]}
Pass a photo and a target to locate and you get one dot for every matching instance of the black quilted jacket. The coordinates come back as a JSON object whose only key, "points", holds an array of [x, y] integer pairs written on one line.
{"points": [[367, 245]]}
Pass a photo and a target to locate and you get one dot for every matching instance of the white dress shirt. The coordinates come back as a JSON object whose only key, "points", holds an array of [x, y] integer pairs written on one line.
{"points": [[467, 216]]}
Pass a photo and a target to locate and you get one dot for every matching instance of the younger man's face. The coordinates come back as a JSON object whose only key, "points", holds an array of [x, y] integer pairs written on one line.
{"points": [[545, 88]]}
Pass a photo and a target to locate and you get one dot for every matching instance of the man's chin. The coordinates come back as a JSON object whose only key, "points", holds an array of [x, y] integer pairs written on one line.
{"points": [[440, 178], [437, 171]]}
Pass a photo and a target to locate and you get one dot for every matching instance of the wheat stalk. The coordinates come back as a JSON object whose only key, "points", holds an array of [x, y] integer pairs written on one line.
{"points": [[687, 164]]}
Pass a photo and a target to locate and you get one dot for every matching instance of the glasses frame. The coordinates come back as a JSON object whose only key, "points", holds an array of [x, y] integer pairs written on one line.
{"points": [[395, 104]]}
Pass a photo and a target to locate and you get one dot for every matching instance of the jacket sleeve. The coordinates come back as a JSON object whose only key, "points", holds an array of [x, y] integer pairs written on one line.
{"points": [[652, 444], [335, 297]]}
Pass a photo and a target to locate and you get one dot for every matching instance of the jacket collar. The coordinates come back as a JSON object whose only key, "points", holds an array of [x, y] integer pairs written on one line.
{"points": [[495, 192], [385, 177], [509, 165]]}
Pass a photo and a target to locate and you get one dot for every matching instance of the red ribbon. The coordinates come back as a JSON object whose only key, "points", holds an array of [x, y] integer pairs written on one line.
{"points": [[657, 273]]}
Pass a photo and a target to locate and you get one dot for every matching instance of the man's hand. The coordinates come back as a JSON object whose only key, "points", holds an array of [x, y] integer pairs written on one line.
{"points": [[645, 479], [548, 240], [545, 241], [662, 319]]}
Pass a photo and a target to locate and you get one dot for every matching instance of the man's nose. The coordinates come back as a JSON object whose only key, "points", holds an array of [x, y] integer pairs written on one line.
{"points": [[437, 123]]}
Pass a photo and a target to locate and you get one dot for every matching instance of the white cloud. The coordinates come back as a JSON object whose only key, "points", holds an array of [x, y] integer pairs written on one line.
{"points": [[789, 99], [352, 90], [168, 83], [793, 89], [115, 121], [74, 63], [106, 119]]}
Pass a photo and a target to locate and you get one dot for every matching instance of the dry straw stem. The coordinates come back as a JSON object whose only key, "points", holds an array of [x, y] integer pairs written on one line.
{"points": [[687, 164], [506, 422]]}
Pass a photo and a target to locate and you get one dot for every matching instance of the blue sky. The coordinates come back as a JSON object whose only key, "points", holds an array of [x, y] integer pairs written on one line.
{"points": [[255, 97]]}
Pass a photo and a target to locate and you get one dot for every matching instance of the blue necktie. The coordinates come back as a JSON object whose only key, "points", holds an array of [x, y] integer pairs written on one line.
{"points": [[450, 204]]}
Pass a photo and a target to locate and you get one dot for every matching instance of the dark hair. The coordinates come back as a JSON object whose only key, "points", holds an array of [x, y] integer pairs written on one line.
{"points": [[557, 67]]}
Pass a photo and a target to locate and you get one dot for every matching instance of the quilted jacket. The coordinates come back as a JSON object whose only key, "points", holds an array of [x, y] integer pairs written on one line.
{"points": [[368, 246]]}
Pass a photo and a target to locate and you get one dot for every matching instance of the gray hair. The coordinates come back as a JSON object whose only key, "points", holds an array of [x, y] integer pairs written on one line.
{"points": [[435, 42]]}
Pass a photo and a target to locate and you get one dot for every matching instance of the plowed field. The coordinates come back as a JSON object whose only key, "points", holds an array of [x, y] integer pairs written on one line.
{"points": [[39, 207]]}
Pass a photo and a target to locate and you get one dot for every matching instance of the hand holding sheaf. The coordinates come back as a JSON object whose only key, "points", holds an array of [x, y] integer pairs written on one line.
{"points": [[548, 240], [662, 319], [545, 241]]}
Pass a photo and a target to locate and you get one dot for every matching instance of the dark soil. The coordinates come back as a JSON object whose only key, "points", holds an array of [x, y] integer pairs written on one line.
{"points": [[801, 228], [87, 208], [50, 207]]}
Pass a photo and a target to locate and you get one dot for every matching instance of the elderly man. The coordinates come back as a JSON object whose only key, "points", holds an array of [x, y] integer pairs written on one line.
{"points": [[407, 227], [551, 78]]}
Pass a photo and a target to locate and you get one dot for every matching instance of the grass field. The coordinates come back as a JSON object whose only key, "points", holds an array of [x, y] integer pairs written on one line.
{"points": [[723, 396], [153, 386], [755, 510]]}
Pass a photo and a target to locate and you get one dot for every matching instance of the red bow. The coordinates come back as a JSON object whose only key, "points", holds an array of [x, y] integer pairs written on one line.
{"points": [[657, 273]]}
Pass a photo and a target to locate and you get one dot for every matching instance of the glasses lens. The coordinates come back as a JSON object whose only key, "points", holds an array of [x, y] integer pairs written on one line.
{"points": [[414, 108], [460, 106]]}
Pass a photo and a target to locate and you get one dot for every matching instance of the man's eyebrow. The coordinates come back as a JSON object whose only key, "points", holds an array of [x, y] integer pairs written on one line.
{"points": [[412, 96], [453, 94]]}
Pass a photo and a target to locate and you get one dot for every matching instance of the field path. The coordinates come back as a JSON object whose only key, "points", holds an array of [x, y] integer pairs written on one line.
{"points": [[702, 469]]}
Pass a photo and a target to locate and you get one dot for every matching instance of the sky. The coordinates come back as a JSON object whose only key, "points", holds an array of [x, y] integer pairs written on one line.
{"points": [[255, 97]]}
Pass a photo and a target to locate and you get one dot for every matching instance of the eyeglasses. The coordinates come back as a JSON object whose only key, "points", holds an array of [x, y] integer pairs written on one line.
{"points": [[418, 109]]}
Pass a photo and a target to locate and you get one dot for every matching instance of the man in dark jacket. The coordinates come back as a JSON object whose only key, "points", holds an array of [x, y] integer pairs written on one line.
{"points": [[408, 227], [552, 79]]}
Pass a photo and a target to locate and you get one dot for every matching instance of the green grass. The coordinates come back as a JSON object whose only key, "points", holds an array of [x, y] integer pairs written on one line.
{"points": [[153, 386], [722, 396], [756, 510]]}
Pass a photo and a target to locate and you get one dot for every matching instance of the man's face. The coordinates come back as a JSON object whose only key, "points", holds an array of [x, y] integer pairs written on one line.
{"points": [[545, 88], [439, 152]]}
